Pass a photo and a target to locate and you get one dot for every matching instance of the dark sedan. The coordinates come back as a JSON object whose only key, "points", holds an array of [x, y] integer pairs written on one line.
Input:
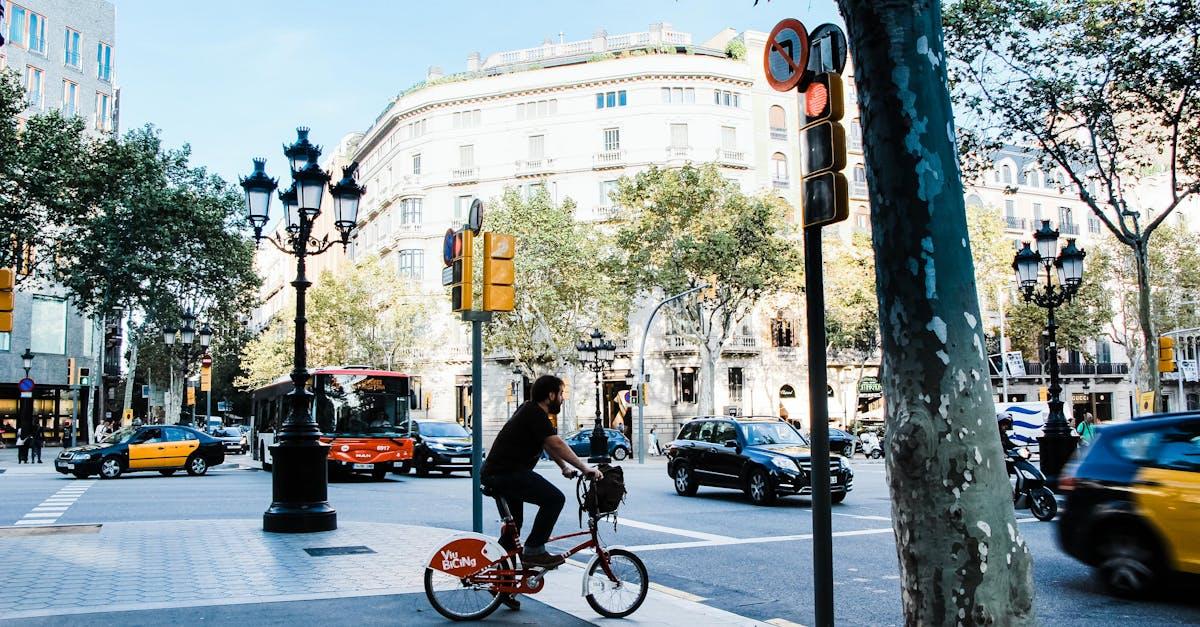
{"points": [[764, 457], [164, 448], [438, 445], [233, 439], [581, 442]]}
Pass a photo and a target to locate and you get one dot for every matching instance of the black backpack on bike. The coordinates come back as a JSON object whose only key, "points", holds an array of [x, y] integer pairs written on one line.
{"points": [[603, 497]]}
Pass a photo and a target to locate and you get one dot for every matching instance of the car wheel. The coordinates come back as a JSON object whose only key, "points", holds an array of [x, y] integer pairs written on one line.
{"points": [[197, 465], [81, 475], [422, 469], [379, 472], [1042, 504], [1127, 563], [837, 497], [110, 468], [685, 482], [403, 468], [759, 488], [620, 453], [848, 451], [166, 473], [876, 454]]}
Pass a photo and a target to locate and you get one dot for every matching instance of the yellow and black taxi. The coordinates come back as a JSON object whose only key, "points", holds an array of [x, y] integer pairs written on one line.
{"points": [[164, 448], [1133, 503]]}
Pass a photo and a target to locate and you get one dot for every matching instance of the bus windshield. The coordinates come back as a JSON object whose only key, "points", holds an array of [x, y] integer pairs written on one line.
{"points": [[353, 404]]}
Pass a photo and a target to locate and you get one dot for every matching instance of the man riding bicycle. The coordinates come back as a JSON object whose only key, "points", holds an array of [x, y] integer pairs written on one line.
{"points": [[508, 469]]}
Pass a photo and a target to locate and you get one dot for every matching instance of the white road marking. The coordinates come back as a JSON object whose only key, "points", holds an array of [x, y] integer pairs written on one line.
{"points": [[687, 533], [864, 517], [48, 511], [782, 622]]}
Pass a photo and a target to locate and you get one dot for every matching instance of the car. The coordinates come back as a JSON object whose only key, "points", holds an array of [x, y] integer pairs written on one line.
{"points": [[1132, 507], [162, 448], [233, 439], [765, 457], [843, 442], [581, 442], [441, 445]]}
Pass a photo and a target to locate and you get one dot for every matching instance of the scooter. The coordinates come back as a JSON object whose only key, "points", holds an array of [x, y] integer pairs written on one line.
{"points": [[872, 450], [1030, 490]]}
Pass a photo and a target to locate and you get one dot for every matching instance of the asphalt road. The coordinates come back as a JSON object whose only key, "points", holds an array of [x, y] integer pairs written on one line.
{"points": [[754, 561]]}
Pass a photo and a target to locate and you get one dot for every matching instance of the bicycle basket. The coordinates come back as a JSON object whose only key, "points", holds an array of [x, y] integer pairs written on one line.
{"points": [[606, 495]]}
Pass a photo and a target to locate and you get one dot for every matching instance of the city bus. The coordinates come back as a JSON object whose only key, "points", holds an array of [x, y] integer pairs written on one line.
{"points": [[363, 415]]}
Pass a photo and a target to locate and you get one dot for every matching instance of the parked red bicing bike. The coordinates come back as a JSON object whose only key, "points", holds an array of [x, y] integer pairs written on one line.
{"points": [[465, 578]]}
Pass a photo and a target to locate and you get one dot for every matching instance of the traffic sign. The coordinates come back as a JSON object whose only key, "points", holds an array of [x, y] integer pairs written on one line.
{"points": [[785, 57], [448, 249], [25, 385], [826, 52], [475, 217], [206, 361]]}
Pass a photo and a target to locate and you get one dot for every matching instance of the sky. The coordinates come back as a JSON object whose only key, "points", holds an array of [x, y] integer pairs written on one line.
{"points": [[233, 78]]}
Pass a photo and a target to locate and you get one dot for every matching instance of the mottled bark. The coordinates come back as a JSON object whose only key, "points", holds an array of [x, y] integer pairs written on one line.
{"points": [[1141, 254], [962, 560]]}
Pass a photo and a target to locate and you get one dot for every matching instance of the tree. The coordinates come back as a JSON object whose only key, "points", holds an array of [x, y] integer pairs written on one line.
{"points": [[851, 311], [687, 227], [961, 557], [1106, 92], [562, 287]]}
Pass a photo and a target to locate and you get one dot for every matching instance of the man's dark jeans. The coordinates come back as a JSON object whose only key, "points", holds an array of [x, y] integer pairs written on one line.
{"points": [[527, 486]]}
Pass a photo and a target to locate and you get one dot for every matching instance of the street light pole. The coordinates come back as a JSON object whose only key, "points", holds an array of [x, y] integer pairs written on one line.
{"points": [[641, 373], [597, 353], [299, 484]]}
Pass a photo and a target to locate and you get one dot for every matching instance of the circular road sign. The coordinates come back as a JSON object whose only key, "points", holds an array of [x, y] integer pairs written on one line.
{"points": [[475, 217], [786, 54], [826, 52], [25, 385], [448, 248]]}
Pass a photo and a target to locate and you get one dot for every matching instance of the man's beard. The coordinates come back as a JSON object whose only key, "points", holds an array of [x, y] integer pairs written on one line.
{"points": [[555, 407]]}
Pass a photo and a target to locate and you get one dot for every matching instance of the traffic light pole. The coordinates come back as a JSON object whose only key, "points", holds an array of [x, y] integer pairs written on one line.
{"points": [[818, 410], [476, 318]]}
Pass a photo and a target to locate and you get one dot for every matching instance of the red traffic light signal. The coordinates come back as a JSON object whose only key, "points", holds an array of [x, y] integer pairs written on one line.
{"points": [[824, 99]]}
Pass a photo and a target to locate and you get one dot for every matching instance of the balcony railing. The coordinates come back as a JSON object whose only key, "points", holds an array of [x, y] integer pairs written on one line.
{"points": [[607, 212], [1068, 228], [1013, 223], [679, 343], [741, 344], [587, 47], [464, 175], [858, 189], [679, 152], [1104, 368], [736, 158], [608, 159], [533, 166], [779, 133], [778, 183]]}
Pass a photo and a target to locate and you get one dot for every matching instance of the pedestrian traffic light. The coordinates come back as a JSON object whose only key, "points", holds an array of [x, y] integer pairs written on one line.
{"points": [[1166, 354], [85, 376], [461, 285], [70, 371], [499, 272], [7, 300], [825, 192]]}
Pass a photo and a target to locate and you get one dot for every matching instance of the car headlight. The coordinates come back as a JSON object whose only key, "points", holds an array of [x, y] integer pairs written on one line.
{"points": [[437, 446], [82, 456], [785, 463]]}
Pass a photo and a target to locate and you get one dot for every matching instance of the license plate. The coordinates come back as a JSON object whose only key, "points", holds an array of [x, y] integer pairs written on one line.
{"points": [[70, 466], [364, 466], [833, 479]]}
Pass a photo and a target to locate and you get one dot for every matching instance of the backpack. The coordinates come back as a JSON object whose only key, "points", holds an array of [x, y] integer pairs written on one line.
{"points": [[603, 497]]}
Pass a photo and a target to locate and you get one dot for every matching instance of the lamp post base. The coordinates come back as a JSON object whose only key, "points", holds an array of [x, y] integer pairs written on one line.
{"points": [[300, 489], [1055, 451]]}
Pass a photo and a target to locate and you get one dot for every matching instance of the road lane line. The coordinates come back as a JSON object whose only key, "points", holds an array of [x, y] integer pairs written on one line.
{"points": [[686, 533], [864, 517], [48, 511]]}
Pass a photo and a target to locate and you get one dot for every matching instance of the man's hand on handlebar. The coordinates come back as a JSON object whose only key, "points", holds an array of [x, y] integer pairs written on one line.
{"points": [[593, 473]]}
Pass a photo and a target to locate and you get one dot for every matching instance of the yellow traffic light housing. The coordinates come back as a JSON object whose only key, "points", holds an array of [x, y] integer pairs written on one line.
{"points": [[7, 300], [1166, 354], [499, 272], [70, 371], [462, 285]]}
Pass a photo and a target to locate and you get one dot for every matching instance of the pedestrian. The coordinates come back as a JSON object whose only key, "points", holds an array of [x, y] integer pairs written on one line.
{"points": [[655, 449], [22, 446], [36, 440], [1087, 428], [101, 431]]}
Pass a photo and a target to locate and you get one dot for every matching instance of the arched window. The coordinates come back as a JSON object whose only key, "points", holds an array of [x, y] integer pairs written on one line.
{"points": [[777, 118], [779, 168], [974, 201], [1006, 174], [1034, 178], [787, 391], [859, 185]]}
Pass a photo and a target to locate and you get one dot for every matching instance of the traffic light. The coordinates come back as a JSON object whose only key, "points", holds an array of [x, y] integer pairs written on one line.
{"points": [[1166, 354], [461, 285], [499, 273], [85, 376], [824, 189], [6, 300], [70, 371]]}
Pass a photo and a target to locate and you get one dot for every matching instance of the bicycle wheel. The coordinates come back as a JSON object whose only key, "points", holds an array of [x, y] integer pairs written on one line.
{"points": [[620, 598], [457, 599]]}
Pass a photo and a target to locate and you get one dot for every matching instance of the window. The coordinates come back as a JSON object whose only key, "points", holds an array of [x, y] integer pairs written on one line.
{"points": [[16, 25], [1180, 449], [679, 135], [610, 99], [1064, 216], [1010, 208], [466, 156], [536, 109], [729, 138], [779, 168], [462, 205], [725, 98], [410, 211], [777, 119], [723, 432], [855, 135], [612, 139], [1033, 178], [5, 341], [862, 221], [466, 119], [33, 86], [415, 128], [685, 386], [537, 147], [532, 190], [103, 113], [1006, 174], [607, 188], [416, 163], [37, 33], [104, 61], [735, 385], [860, 182], [678, 95], [71, 55], [782, 333], [1037, 214], [70, 98], [410, 264], [49, 332], [1094, 224]]}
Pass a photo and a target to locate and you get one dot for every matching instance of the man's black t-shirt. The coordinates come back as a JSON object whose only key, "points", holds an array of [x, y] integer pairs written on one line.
{"points": [[519, 443]]}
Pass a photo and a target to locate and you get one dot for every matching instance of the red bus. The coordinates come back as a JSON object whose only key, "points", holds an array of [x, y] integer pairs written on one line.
{"points": [[363, 415]]}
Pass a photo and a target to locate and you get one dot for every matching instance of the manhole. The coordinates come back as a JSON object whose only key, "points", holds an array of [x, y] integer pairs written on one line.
{"points": [[324, 551]]}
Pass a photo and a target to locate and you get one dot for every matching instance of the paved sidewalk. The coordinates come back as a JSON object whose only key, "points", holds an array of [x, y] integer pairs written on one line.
{"points": [[102, 570]]}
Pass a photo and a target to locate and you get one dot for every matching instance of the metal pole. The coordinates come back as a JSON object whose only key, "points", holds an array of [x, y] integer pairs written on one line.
{"points": [[74, 412], [208, 403], [814, 290], [476, 424], [1003, 354], [641, 378], [99, 376]]}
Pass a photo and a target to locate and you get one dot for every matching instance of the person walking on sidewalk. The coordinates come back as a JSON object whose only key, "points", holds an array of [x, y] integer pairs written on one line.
{"points": [[35, 444], [655, 448], [22, 446]]}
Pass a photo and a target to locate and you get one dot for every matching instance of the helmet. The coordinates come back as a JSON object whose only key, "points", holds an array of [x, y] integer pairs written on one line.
{"points": [[1003, 417]]}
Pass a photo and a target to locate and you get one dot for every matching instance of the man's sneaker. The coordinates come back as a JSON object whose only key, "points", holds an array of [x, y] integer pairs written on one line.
{"points": [[542, 560], [510, 601]]}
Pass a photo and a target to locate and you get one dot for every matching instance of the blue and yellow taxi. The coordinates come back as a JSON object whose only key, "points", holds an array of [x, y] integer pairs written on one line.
{"points": [[162, 448], [1133, 503]]}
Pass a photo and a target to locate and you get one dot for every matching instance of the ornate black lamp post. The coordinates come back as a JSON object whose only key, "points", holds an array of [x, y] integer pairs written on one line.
{"points": [[597, 355], [187, 338], [27, 361], [1057, 443], [299, 486]]}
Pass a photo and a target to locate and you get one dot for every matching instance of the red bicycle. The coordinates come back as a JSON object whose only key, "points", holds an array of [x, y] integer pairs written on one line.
{"points": [[465, 578]]}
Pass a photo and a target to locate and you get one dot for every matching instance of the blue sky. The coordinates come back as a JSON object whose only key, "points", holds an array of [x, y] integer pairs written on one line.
{"points": [[234, 77]]}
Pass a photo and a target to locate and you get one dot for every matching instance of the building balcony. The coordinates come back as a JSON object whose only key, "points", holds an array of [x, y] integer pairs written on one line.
{"points": [[1068, 228], [779, 183], [462, 176], [732, 158], [534, 167], [741, 345], [679, 152], [607, 212], [409, 181], [1099, 369], [679, 344], [858, 189], [1013, 223], [608, 159], [779, 133]]}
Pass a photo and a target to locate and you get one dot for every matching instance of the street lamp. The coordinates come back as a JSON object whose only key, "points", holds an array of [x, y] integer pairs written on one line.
{"points": [[299, 484], [1030, 265], [188, 337], [27, 361], [597, 354]]}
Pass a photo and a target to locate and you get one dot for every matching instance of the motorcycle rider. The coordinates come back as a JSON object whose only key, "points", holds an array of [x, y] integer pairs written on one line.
{"points": [[1004, 423]]}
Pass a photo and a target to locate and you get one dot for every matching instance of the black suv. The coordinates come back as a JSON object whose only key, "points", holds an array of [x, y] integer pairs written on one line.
{"points": [[764, 457]]}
